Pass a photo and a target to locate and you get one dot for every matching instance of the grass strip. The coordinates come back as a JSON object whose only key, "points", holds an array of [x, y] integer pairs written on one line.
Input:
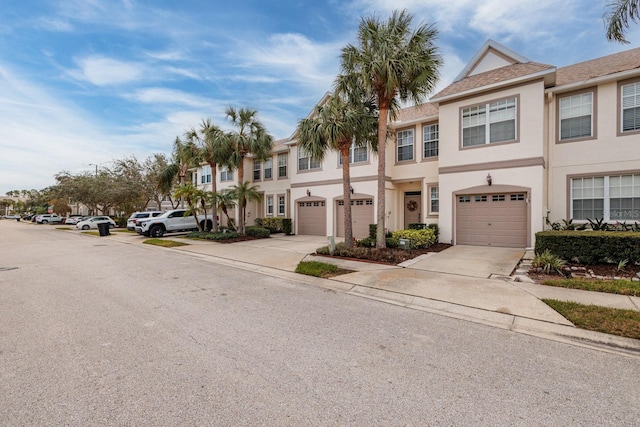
{"points": [[64, 228], [320, 269], [164, 243], [621, 287], [624, 323], [93, 233]]}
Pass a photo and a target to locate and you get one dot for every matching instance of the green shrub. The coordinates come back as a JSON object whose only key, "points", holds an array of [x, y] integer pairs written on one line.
{"points": [[273, 224], [548, 262], [436, 230], [205, 235], [259, 222], [417, 226], [257, 232], [287, 226], [590, 247], [367, 242], [417, 238], [372, 231]]}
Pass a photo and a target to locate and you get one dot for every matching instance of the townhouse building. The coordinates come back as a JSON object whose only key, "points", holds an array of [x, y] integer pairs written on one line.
{"points": [[508, 147]]}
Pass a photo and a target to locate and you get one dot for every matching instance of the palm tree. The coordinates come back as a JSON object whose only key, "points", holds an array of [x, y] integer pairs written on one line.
{"points": [[390, 61], [617, 19], [336, 125], [185, 156], [214, 150], [225, 200], [189, 193], [243, 193]]}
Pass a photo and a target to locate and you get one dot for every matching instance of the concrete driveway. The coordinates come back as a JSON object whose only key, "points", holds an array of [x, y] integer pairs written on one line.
{"points": [[474, 261]]}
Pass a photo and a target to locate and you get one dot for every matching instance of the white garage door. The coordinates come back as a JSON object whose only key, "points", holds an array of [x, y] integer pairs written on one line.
{"points": [[492, 220], [361, 216], [312, 218]]}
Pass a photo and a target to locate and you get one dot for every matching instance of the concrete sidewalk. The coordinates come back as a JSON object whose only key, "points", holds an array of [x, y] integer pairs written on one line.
{"points": [[470, 283]]}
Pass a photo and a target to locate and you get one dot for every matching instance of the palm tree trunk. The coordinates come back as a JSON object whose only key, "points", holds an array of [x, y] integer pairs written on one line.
{"points": [[382, 140], [241, 199], [214, 190], [346, 191]]}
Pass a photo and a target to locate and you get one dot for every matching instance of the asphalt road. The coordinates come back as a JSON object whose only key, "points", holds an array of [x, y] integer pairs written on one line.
{"points": [[97, 332]]}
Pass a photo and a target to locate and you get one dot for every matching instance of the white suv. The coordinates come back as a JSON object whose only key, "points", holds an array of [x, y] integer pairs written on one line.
{"points": [[48, 218], [169, 222], [137, 216]]}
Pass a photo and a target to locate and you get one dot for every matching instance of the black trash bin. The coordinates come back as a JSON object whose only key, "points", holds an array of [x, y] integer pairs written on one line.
{"points": [[103, 228]]}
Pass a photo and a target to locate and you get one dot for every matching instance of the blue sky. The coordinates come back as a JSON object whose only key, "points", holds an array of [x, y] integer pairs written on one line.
{"points": [[83, 82]]}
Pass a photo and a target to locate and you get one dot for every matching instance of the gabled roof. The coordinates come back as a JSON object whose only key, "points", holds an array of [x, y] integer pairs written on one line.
{"points": [[599, 67], [494, 65]]}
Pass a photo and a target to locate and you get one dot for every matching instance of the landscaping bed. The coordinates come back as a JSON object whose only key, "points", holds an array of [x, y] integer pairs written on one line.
{"points": [[388, 256]]}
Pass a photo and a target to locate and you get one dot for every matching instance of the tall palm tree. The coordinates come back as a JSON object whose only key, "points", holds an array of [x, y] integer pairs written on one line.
{"points": [[336, 125], [617, 19], [185, 156], [214, 150], [190, 194], [243, 193], [390, 61]]}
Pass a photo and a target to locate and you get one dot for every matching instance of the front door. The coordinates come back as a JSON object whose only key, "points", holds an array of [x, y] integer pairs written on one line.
{"points": [[412, 208]]}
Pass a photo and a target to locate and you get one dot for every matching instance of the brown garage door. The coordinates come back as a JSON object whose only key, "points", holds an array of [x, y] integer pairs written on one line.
{"points": [[312, 218], [492, 220], [361, 215]]}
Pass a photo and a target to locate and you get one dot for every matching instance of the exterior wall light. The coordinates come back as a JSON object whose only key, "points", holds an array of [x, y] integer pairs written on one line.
{"points": [[489, 179]]}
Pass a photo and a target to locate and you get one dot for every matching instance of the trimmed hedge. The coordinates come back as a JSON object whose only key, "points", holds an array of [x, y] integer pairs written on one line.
{"points": [[590, 247], [287, 226], [257, 231], [417, 238]]}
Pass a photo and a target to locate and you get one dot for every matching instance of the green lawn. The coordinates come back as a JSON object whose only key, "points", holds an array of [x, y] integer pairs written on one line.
{"points": [[622, 287]]}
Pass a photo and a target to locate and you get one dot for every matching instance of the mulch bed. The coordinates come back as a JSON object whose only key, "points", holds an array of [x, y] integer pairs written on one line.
{"points": [[393, 256]]}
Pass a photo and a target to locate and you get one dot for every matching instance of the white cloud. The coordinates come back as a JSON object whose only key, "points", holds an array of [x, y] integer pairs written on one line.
{"points": [[103, 71], [164, 96]]}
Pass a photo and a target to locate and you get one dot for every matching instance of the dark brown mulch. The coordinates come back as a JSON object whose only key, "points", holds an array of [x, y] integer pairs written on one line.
{"points": [[393, 256]]}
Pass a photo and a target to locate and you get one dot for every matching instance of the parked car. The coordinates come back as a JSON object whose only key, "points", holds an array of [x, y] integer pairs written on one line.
{"points": [[74, 219], [137, 216], [11, 216], [48, 218], [93, 222]]}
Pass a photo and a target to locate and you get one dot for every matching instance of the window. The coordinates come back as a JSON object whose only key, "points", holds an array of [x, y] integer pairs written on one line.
{"points": [[226, 175], [612, 198], [576, 116], [205, 178], [256, 170], [630, 107], [305, 162], [356, 154], [434, 200], [489, 123], [430, 137], [270, 205], [405, 145], [281, 205], [268, 168], [282, 165]]}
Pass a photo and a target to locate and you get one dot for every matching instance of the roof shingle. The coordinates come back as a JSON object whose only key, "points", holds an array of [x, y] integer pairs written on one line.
{"points": [[599, 67]]}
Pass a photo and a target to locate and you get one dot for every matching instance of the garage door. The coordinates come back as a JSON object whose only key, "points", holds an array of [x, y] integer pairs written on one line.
{"points": [[361, 216], [492, 220], [312, 218]]}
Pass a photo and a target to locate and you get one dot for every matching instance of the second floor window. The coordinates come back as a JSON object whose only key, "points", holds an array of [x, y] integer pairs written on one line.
{"points": [[256, 170], [226, 175], [576, 116], [268, 169], [205, 178], [282, 165], [405, 145], [489, 123], [630, 108], [430, 138], [306, 162], [356, 154]]}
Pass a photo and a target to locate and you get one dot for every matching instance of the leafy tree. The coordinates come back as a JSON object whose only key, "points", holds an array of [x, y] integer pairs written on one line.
{"points": [[336, 125], [390, 61], [245, 192], [617, 19], [225, 200]]}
